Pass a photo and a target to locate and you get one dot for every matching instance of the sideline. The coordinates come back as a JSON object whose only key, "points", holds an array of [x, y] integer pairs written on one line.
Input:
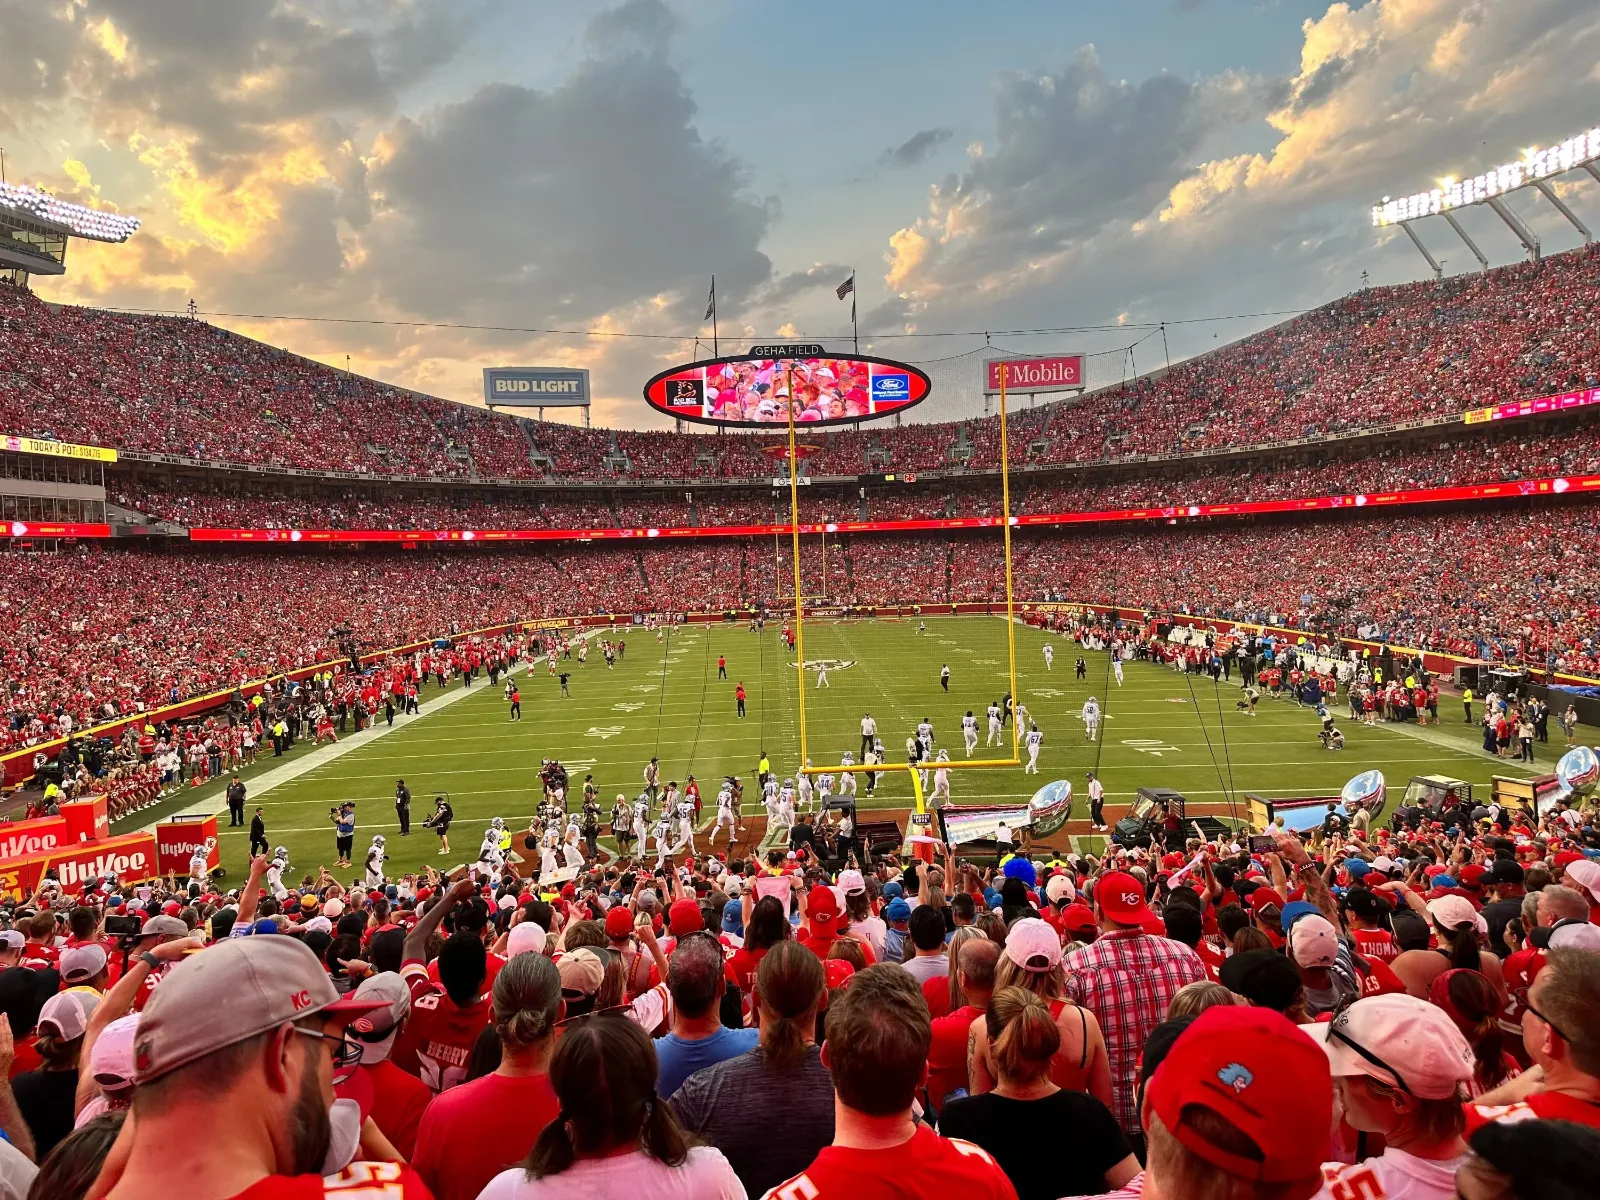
{"points": [[324, 755]]}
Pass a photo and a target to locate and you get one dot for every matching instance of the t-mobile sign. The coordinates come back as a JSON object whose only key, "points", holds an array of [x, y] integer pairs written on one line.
{"points": [[1058, 373]]}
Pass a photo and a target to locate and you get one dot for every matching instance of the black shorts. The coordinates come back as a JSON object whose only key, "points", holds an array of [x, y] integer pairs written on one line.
{"points": [[344, 844]]}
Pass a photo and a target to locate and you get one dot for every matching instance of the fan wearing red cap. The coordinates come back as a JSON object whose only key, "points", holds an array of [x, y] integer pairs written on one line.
{"points": [[824, 916], [1240, 1105], [1127, 980], [255, 1029]]}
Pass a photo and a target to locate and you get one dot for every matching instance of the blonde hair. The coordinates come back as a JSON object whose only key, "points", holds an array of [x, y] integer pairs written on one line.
{"points": [[1179, 1171], [1048, 985], [1023, 1037], [1192, 999]]}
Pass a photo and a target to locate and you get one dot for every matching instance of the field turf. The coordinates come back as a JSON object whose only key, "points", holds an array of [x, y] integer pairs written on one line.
{"points": [[664, 698]]}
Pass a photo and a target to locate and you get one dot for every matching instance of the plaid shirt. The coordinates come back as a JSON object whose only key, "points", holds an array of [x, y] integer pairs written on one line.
{"points": [[1127, 979]]}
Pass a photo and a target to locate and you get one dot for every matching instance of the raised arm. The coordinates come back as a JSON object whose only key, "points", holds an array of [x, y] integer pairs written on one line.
{"points": [[416, 944]]}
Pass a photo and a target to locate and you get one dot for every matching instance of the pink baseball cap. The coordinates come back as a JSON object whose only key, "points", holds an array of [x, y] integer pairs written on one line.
{"points": [[1451, 911], [1399, 1040], [1313, 942], [111, 1060], [1033, 945]]}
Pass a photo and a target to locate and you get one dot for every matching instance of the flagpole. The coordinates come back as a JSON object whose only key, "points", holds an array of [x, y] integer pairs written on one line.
{"points": [[714, 349], [855, 330]]}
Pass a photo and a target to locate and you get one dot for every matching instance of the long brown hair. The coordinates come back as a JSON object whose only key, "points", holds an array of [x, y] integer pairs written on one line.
{"points": [[1023, 1036], [789, 983], [604, 1074]]}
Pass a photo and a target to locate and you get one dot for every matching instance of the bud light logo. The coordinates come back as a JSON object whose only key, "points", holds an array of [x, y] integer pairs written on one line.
{"points": [[890, 388]]}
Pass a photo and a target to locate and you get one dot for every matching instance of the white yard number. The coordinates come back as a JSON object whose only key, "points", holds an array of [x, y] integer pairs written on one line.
{"points": [[1150, 746]]}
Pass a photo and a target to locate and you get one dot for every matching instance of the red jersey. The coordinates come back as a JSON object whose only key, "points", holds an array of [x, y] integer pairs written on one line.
{"points": [[358, 1181], [1376, 944], [398, 1102], [1212, 958], [440, 1034], [473, 1132], [1541, 1106], [926, 1165]]}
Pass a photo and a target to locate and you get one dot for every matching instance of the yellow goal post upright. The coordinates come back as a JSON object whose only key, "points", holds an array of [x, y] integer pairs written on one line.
{"points": [[970, 764]]}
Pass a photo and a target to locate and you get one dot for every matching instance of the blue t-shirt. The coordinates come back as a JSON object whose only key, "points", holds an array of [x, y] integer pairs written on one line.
{"points": [[679, 1059]]}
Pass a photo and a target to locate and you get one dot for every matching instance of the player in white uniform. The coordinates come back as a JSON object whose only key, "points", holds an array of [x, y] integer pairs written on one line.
{"points": [[1034, 740], [725, 816], [847, 779], [941, 779], [769, 798], [822, 675], [662, 832], [1020, 712], [375, 860], [1091, 718], [1116, 665], [275, 870], [1049, 656], [804, 790], [199, 863], [783, 814], [549, 863], [925, 737], [969, 732], [994, 725], [641, 820], [572, 848], [824, 790], [685, 815]]}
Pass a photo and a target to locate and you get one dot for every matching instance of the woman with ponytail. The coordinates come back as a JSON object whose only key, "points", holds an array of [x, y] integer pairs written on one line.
{"points": [[770, 1111], [1459, 931], [612, 1136], [474, 1130], [1088, 1152], [1471, 1003]]}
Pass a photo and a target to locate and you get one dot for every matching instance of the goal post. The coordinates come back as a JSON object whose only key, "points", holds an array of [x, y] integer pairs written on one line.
{"points": [[800, 625]]}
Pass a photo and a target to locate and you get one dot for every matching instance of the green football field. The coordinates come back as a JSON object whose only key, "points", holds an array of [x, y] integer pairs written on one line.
{"points": [[664, 699]]}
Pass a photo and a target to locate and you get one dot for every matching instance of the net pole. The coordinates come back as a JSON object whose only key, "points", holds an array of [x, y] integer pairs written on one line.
{"points": [[1005, 525], [794, 527]]}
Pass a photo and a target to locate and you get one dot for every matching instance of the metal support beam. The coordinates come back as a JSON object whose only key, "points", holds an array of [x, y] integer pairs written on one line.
{"points": [[1529, 240], [1550, 195], [1421, 249], [1593, 170], [1483, 263]]}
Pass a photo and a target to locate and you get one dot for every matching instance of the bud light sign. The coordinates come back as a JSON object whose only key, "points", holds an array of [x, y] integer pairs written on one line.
{"points": [[536, 387]]}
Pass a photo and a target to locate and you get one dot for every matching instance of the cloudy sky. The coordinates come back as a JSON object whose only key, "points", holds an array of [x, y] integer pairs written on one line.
{"points": [[586, 166]]}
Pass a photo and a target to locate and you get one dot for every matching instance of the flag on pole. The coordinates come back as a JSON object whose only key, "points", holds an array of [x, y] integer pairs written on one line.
{"points": [[711, 300], [848, 286]]}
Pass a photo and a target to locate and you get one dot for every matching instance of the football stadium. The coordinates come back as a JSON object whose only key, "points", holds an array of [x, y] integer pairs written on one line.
{"points": [[1108, 765]]}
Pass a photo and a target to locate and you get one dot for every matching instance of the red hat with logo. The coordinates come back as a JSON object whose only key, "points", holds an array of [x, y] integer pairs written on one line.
{"points": [[1121, 898], [822, 908], [1253, 1068], [684, 917], [837, 971]]}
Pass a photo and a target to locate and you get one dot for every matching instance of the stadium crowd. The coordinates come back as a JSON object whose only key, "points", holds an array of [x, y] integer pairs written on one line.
{"points": [[1488, 456], [180, 386], [1405, 1011], [102, 631]]}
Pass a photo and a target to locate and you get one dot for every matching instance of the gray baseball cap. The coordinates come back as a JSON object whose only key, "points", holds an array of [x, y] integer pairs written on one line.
{"points": [[230, 992]]}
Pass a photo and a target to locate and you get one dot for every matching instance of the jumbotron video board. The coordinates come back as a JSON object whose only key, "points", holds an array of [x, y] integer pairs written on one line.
{"points": [[754, 389]]}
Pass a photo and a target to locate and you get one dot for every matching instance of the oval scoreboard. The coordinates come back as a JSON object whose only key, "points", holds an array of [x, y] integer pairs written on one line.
{"points": [[755, 389]]}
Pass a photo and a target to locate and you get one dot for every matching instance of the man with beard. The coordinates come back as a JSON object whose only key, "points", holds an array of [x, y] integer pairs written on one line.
{"points": [[267, 1057]]}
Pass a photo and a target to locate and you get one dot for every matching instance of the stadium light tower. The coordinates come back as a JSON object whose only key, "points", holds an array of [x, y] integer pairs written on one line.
{"points": [[1534, 169], [35, 227]]}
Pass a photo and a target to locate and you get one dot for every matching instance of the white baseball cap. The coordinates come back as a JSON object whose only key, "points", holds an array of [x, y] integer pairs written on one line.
{"points": [[1399, 1040]]}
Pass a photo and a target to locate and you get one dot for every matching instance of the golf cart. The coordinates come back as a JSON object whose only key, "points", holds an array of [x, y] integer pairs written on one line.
{"points": [[1150, 810], [1433, 792]]}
